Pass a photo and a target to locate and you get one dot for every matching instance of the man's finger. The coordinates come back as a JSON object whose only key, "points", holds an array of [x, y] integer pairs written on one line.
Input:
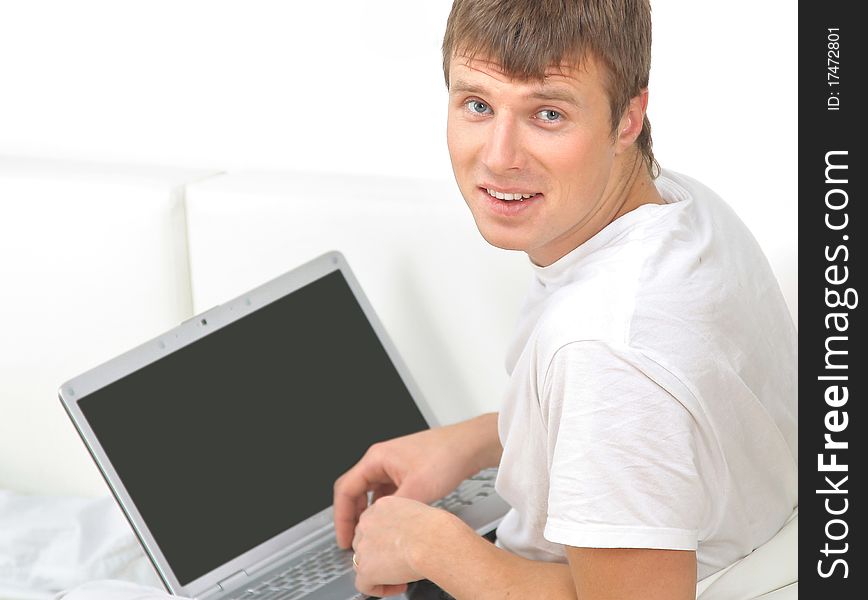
{"points": [[388, 590], [345, 523], [351, 497]]}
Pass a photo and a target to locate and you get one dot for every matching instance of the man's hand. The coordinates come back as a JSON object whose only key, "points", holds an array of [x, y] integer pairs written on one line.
{"points": [[385, 536], [423, 466]]}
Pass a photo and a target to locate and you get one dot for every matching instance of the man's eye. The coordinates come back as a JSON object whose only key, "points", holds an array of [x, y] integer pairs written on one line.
{"points": [[550, 116], [478, 107]]}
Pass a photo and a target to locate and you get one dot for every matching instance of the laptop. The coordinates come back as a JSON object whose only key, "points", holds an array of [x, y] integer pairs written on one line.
{"points": [[222, 438]]}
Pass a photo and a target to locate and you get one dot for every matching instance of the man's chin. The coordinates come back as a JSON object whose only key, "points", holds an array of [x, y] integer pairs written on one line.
{"points": [[502, 241]]}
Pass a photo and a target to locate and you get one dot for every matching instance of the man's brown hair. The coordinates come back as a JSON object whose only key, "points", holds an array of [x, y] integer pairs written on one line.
{"points": [[526, 37]]}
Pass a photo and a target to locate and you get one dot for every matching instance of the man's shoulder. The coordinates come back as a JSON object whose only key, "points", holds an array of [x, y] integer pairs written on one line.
{"points": [[589, 310], [682, 277]]}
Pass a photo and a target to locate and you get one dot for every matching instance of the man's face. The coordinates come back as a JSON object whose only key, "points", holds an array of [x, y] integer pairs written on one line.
{"points": [[513, 137]]}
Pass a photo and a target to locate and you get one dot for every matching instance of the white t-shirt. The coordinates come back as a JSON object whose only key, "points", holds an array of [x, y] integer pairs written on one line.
{"points": [[652, 393]]}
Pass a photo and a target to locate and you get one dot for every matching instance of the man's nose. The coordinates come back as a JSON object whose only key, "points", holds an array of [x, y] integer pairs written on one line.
{"points": [[503, 148]]}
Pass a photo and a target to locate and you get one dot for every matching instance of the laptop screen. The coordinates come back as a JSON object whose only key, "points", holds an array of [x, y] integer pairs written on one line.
{"points": [[240, 435]]}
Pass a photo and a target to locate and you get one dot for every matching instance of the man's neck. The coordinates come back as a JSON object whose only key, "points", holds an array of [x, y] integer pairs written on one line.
{"points": [[634, 189], [640, 189]]}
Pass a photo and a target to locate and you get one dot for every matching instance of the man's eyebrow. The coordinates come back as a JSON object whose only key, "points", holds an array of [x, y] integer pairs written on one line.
{"points": [[459, 85], [555, 94], [542, 93]]}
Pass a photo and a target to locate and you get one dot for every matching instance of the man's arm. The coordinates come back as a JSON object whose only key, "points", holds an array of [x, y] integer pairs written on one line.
{"points": [[617, 573], [400, 540], [489, 449], [471, 568]]}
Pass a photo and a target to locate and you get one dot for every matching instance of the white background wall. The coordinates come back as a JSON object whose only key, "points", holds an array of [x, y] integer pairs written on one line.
{"points": [[357, 87]]}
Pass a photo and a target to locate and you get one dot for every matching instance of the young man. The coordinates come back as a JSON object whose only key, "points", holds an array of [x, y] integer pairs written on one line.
{"points": [[648, 435]]}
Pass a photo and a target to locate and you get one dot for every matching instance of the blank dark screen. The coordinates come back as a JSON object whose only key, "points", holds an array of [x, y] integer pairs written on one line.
{"points": [[230, 440]]}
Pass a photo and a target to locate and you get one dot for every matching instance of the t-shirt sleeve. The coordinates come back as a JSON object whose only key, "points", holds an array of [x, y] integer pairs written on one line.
{"points": [[621, 452]]}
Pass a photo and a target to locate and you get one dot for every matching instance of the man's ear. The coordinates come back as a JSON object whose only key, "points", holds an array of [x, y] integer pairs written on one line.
{"points": [[631, 123]]}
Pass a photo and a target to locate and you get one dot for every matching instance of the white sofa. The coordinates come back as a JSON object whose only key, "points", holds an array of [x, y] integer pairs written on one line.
{"points": [[98, 258]]}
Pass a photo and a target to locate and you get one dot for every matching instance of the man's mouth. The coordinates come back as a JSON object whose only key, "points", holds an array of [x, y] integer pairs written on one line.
{"points": [[510, 196]]}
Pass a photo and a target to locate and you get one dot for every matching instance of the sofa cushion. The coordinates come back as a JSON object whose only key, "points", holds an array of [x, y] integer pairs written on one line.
{"points": [[94, 262], [768, 572]]}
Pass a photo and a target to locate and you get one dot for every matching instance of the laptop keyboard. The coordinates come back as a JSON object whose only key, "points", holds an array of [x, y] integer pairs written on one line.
{"points": [[326, 564], [316, 569]]}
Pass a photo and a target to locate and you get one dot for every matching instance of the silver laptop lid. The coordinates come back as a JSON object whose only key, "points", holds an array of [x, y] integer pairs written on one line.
{"points": [[221, 439]]}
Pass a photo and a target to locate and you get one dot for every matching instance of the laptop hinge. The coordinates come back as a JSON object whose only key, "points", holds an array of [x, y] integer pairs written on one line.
{"points": [[233, 581], [209, 593]]}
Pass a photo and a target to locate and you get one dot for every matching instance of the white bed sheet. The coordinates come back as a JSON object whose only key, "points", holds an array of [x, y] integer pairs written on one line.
{"points": [[53, 543]]}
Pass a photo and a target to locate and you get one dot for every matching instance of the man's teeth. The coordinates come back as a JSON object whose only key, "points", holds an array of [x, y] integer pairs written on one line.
{"points": [[502, 196]]}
